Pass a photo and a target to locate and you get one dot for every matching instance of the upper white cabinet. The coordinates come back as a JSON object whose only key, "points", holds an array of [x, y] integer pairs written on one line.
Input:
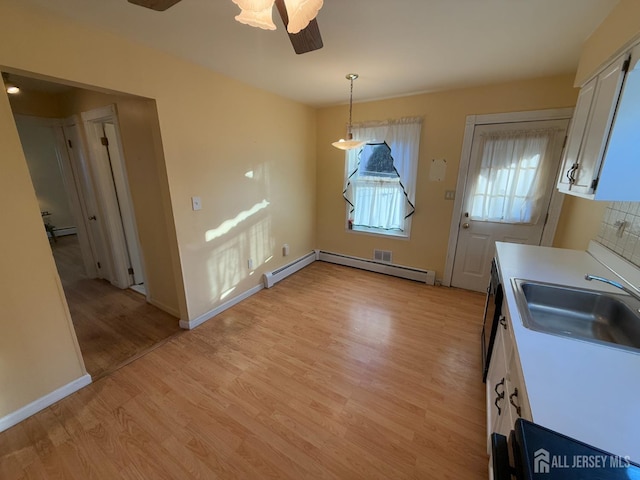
{"points": [[601, 155]]}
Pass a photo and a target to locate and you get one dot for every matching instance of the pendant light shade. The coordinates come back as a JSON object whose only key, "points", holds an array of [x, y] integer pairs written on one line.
{"points": [[301, 12], [349, 143], [256, 13]]}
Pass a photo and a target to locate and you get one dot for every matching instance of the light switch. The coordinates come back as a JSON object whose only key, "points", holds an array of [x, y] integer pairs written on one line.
{"points": [[196, 203]]}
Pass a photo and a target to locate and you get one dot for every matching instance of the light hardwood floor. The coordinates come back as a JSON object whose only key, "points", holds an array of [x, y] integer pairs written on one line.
{"points": [[113, 326], [333, 373]]}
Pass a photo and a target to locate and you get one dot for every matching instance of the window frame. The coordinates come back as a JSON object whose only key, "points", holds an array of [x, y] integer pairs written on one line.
{"points": [[407, 144]]}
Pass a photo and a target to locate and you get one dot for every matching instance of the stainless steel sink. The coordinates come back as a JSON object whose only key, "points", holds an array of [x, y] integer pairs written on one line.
{"points": [[609, 319]]}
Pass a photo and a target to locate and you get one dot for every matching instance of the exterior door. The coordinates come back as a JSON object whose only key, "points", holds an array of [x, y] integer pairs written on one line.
{"points": [[512, 173]]}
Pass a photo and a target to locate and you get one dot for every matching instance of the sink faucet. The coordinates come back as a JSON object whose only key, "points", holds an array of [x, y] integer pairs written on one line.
{"points": [[635, 293]]}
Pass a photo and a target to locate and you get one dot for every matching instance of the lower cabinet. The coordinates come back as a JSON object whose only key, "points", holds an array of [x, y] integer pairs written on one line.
{"points": [[506, 395]]}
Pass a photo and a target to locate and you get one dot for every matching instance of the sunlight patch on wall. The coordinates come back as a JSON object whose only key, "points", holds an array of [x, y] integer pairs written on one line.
{"points": [[227, 293], [226, 226], [227, 262]]}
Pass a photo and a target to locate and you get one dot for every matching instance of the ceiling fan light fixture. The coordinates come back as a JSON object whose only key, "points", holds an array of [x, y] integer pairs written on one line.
{"points": [[262, 19], [254, 5], [349, 143], [301, 12]]}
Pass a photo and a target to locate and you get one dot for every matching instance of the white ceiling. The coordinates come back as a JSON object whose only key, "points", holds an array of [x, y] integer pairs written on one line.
{"points": [[398, 47]]}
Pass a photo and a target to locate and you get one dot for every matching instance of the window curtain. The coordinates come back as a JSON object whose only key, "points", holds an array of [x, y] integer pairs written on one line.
{"points": [[381, 203], [393, 199], [508, 188]]}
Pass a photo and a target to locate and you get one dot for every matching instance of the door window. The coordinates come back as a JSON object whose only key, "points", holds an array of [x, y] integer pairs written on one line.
{"points": [[510, 185]]}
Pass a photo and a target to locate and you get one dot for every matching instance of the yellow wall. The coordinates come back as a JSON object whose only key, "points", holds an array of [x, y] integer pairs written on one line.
{"points": [[581, 218], [38, 345], [579, 223], [442, 135], [620, 27], [213, 133], [37, 104]]}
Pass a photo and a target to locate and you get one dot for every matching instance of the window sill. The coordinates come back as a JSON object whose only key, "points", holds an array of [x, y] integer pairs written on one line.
{"points": [[379, 232]]}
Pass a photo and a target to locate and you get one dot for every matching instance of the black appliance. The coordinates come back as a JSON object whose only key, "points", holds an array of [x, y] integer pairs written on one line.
{"points": [[492, 313], [533, 452]]}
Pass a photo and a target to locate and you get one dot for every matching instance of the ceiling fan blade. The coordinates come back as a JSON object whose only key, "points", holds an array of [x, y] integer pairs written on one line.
{"points": [[306, 40], [157, 5]]}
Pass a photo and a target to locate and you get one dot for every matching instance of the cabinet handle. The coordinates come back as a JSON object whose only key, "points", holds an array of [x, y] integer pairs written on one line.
{"points": [[503, 321], [517, 407], [499, 395], [571, 173]]}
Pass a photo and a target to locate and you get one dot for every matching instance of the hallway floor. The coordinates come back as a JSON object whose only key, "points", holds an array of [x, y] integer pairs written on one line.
{"points": [[113, 326]]}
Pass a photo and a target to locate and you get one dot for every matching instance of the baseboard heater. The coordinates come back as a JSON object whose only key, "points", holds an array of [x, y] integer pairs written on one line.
{"points": [[426, 276], [271, 278]]}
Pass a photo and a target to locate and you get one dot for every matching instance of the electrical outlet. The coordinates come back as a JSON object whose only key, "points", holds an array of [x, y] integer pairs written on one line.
{"points": [[250, 264], [285, 250]]}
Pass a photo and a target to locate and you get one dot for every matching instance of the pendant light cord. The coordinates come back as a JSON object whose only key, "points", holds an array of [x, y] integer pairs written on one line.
{"points": [[350, 103], [351, 77]]}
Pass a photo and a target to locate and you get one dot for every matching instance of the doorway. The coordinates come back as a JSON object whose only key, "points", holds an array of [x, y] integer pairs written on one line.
{"points": [[113, 323], [508, 194]]}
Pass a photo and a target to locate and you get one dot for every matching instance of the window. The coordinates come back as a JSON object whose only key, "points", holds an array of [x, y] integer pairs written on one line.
{"points": [[508, 188], [380, 178]]}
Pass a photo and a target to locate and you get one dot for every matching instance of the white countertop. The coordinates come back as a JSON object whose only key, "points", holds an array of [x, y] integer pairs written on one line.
{"points": [[587, 391]]}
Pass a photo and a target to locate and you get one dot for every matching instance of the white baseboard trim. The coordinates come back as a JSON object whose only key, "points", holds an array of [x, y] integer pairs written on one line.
{"points": [[410, 273], [61, 232], [34, 407], [191, 324], [271, 278]]}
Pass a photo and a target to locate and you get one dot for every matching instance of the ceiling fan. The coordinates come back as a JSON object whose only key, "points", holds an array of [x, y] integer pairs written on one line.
{"points": [[306, 40]]}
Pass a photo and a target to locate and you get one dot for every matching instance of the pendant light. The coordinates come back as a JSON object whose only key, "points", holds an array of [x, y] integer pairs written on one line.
{"points": [[349, 143]]}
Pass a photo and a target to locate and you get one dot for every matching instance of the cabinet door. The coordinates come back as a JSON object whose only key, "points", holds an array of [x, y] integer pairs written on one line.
{"points": [[496, 385], [576, 135], [603, 109], [621, 169], [516, 397]]}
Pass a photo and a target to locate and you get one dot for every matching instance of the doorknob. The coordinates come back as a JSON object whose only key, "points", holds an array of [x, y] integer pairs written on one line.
{"points": [[465, 225]]}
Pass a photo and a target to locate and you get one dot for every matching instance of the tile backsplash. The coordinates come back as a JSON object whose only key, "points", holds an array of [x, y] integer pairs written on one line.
{"points": [[620, 230]]}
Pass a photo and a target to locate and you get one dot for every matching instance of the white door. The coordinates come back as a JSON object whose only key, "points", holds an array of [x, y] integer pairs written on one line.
{"points": [[118, 171], [88, 208], [512, 173], [112, 192]]}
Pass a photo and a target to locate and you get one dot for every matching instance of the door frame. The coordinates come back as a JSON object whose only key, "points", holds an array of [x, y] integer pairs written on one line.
{"points": [[555, 206], [115, 217]]}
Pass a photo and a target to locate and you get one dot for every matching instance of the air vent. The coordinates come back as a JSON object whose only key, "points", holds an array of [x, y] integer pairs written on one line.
{"points": [[382, 256]]}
